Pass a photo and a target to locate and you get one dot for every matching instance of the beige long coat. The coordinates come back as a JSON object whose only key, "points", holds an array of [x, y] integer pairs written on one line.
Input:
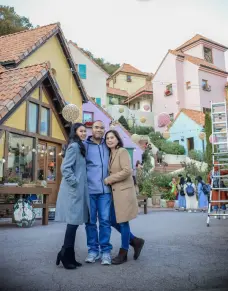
{"points": [[123, 189]]}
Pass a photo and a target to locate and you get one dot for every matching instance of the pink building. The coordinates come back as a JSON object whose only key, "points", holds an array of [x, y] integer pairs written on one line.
{"points": [[92, 112], [189, 77]]}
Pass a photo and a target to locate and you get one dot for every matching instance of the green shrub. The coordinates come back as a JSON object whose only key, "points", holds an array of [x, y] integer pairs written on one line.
{"points": [[155, 136], [196, 155], [142, 130], [172, 148], [161, 180], [192, 170], [168, 147], [123, 121], [208, 132], [147, 187]]}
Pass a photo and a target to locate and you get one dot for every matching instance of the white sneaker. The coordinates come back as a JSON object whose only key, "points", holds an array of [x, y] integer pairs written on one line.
{"points": [[195, 211], [224, 217], [189, 210], [215, 216], [92, 258], [106, 259]]}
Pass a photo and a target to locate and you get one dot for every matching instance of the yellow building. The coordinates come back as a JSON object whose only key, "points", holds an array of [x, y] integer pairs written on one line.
{"points": [[130, 86], [37, 78]]}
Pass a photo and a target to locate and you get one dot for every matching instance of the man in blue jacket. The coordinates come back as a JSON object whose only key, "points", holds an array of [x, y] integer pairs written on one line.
{"points": [[97, 159]]}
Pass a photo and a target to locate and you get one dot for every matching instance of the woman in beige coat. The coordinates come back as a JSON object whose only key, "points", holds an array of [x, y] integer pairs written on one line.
{"points": [[124, 207]]}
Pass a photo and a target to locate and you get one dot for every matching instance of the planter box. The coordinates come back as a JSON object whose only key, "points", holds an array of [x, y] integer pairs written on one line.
{"points": [[156, 200], [149, 202], [163, 203], [11, 184]]}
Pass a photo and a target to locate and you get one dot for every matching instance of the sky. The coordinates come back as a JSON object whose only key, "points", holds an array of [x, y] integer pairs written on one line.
{"points": [[138, 32]]}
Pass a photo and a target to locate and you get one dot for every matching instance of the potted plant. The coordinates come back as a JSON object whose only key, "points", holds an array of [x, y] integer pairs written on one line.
{"points": [[30, 184], [147, 190], [170, 199], [88, 124], [13, 181], [168, 92]]}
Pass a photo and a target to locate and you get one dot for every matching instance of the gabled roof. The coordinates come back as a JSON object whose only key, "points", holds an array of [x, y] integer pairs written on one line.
{"points": [[195, 115], [146, 89], [77, 47], [197, 61], [16, 47], [126, 68], [197, 38], [118, 92], [16, 84]]}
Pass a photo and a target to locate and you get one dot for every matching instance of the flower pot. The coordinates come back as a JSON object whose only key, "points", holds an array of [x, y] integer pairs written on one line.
{"points": [[170, 203]]}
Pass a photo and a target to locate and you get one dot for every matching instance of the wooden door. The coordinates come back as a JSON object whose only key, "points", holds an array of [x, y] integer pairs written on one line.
{"points": [[190, 142], [48, 166]]}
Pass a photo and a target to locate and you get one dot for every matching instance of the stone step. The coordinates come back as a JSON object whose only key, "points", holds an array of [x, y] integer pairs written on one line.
{"points": [[169, 168]]}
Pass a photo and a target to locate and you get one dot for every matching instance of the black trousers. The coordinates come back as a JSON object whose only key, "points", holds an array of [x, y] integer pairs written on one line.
{"points": [[159, 160], [70, 235]]}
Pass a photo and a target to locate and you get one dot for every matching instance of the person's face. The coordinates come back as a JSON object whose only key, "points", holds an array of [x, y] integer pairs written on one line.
{"points": [[81, 132], [174, 180], [98, 130], [111, 140], [216, 168]]}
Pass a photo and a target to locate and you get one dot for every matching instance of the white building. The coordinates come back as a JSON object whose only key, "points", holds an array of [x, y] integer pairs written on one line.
{"points": [[189, 77], [92, 75]]}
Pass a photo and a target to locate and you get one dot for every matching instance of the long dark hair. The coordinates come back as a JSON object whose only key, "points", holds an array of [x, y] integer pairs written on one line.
{"points": [[116, 133], [73, 137], [182, 181], [189, 180]]}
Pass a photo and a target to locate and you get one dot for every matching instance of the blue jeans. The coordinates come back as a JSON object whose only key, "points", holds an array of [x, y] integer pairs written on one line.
{"points": [[99, 206], [123, 228]]}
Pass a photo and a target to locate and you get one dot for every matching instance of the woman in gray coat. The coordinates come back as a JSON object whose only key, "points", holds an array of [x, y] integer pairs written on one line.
{"points": [[73, 201]]}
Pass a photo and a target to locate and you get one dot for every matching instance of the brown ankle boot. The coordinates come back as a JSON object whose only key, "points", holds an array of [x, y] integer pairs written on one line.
{"points": [[137, 244], [121, 258]]}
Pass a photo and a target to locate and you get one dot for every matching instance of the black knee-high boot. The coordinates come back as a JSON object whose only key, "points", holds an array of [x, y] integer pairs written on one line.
{"points": [[67, 254]]}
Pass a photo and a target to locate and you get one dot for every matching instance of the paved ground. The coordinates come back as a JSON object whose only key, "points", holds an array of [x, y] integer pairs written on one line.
{"points": [[181, 253]]}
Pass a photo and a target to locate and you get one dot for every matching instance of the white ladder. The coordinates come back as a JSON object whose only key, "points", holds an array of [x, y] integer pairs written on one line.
{"points": [[219, 156]]}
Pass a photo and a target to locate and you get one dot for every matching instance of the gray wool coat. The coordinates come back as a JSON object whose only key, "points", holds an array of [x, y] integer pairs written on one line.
{"points": [[72, 204]]}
